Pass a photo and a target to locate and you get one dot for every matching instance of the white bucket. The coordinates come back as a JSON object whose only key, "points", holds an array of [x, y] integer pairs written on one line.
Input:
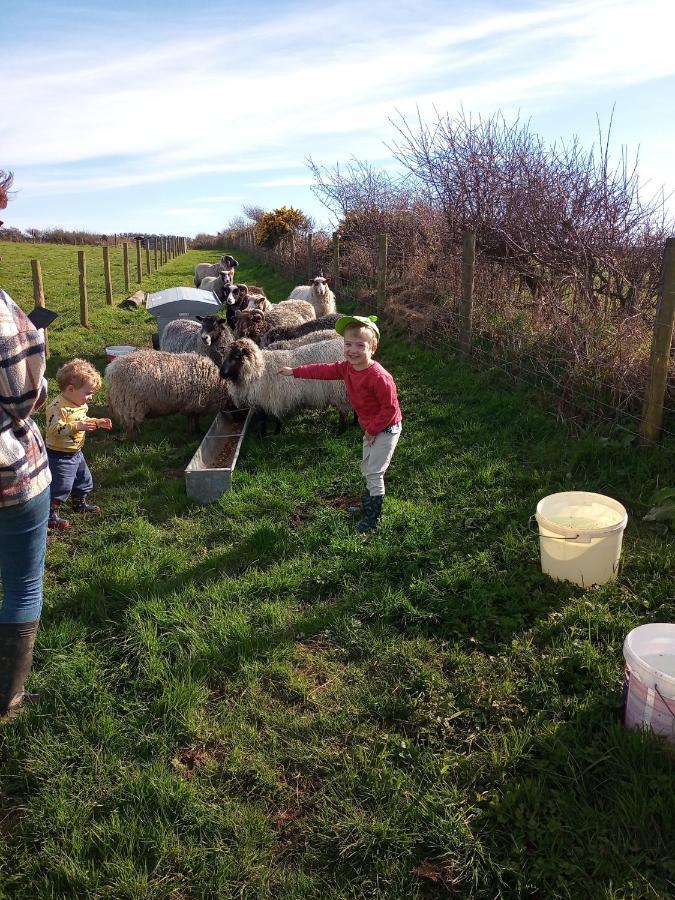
{"points": [[580, 536], [649, 682], [118, 350]]}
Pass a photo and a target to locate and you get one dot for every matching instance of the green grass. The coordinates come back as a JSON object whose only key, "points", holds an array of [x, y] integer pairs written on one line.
{"points": [[248, 700]]}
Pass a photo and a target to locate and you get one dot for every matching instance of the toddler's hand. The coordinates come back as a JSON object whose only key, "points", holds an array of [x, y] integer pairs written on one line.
{"points": [[285, 370], [104, 423], [85, 425]]}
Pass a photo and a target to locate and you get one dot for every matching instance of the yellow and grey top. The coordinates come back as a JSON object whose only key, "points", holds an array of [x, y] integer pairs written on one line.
{"points": [[61, 417]]}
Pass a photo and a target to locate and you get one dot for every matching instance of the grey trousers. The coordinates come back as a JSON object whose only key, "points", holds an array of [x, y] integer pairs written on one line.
{"points": [[376, 459]]}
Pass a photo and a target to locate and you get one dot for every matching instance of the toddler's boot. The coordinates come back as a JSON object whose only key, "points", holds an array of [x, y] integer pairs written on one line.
{"points": [[81, 505], [55, 520], [373, 513]]}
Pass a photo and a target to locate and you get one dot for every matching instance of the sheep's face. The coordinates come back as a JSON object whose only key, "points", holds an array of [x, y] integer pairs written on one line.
{"points": [[212, 328], [229, 262], [320, 286], [250, 324], [235, 294], [238, 356]]}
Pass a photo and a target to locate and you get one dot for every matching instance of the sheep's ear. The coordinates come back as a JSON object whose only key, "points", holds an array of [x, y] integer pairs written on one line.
{"points": [[243, 289], [199, 318]]}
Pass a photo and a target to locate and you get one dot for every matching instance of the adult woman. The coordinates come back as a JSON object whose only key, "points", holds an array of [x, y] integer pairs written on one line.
{"points": [[24, 491]]}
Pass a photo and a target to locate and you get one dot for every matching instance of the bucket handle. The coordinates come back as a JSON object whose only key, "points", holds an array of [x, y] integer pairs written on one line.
{"points": [[532, 524]]}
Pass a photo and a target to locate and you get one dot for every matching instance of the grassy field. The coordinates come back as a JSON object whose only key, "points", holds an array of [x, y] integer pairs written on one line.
{"points": [[249, 700]]}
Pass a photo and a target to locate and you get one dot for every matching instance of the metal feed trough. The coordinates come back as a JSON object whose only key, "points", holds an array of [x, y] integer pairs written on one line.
{"points": [[181, 303], [209, 473]]}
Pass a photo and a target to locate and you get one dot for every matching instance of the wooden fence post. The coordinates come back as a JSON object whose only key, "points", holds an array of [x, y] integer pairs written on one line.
{"points": [[139, 276], [652, 410], [336, 262], [466, 301], [148, 268], [293, 255], [310, 259], [106, 275], [125, 255], [382, 272], [84, 301], [155, 243], [39, 293]]}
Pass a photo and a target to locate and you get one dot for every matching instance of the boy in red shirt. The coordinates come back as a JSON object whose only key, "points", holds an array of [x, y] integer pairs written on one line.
{"points": [[372, 393]]}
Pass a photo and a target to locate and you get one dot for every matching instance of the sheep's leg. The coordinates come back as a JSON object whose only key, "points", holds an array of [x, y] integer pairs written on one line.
{"points": [[342, 427], [277, 425], [192, 423]]}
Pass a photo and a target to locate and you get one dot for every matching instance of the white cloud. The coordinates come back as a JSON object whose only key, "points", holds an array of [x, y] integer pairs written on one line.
{"points": [[262, 97]]}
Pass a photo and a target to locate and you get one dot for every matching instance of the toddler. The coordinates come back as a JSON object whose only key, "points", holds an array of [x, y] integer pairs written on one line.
{"points": [[67, 422], [372, 393]]}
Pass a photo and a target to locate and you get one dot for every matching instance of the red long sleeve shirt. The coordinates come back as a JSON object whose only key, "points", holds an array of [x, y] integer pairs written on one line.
{"points": [[372, 391]]}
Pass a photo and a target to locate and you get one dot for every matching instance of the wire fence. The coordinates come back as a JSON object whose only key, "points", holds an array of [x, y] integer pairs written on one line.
{"points": [[604, 366]]}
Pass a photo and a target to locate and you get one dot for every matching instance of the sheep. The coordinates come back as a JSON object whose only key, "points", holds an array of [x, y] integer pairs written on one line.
{"points": [[252, 376], [215, 336], [289, 332], [218, 283], [227, 263], [150, 383], [314, 337], [318, 294], [239, 297], [253, 323], [207, 336]]}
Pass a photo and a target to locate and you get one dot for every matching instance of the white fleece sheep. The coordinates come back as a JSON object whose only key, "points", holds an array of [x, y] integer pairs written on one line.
{"points": [[318, 294], [227, 263], [253, 379], [150, 383], [217, 283]]}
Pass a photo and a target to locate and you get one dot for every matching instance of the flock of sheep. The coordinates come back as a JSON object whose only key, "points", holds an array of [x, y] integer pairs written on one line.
{"points": [[218, 363]]}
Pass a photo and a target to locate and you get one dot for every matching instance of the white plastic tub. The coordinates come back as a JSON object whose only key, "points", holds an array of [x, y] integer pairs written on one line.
{"points": [[118, 350], [580, 536], [649, 682]]}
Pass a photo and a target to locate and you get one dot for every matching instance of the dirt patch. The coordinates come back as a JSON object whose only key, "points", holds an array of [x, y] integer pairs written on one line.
{"points": [[286, 818], [437, 872], [190, 760], [301, 516], [343, 502]]}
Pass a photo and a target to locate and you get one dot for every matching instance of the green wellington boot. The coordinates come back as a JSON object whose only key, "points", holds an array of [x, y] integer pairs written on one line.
{"points": [[16, 658], [361, 510], [373, 513]]}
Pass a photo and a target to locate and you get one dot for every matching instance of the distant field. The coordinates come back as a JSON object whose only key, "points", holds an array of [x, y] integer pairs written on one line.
{"points": [[249, 700]]}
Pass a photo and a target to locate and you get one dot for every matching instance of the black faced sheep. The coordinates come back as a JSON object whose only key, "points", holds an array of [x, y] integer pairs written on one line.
{"points": [[289, 332], [318, 294], [149, 383], [252, 323], [253, 379]]}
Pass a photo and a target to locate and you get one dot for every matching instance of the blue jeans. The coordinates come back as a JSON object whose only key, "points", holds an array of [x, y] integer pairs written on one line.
{"points": [[23, 544], [70, 472]]}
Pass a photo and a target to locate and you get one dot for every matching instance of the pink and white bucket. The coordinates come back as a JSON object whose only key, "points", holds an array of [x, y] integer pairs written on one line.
{"points": [[118, 350], [649, 680]]}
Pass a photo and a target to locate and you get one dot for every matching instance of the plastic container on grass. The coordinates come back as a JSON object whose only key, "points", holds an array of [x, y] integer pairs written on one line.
{"points": [[580, 536], [649, 681], [118, 350]]}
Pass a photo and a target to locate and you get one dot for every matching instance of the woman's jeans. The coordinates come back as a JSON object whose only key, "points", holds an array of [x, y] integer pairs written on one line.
{"points": [[23, 545]]}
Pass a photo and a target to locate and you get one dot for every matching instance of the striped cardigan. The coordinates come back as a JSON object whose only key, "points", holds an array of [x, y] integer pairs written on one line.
{"points": [[24, 470]]}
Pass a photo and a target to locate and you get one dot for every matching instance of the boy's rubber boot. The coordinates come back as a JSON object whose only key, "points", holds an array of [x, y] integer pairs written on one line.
{"points": [[16, 658], [80, 505], [55, 520], [360, 510], [372, 516]]}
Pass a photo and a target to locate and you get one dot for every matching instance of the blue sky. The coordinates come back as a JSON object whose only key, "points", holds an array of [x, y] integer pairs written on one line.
{"points": [[149, 116]]}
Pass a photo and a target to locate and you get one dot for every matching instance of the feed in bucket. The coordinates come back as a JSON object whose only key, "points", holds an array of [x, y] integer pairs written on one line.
{"points": [[580, 536], [649, 680], [118, 350]]}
